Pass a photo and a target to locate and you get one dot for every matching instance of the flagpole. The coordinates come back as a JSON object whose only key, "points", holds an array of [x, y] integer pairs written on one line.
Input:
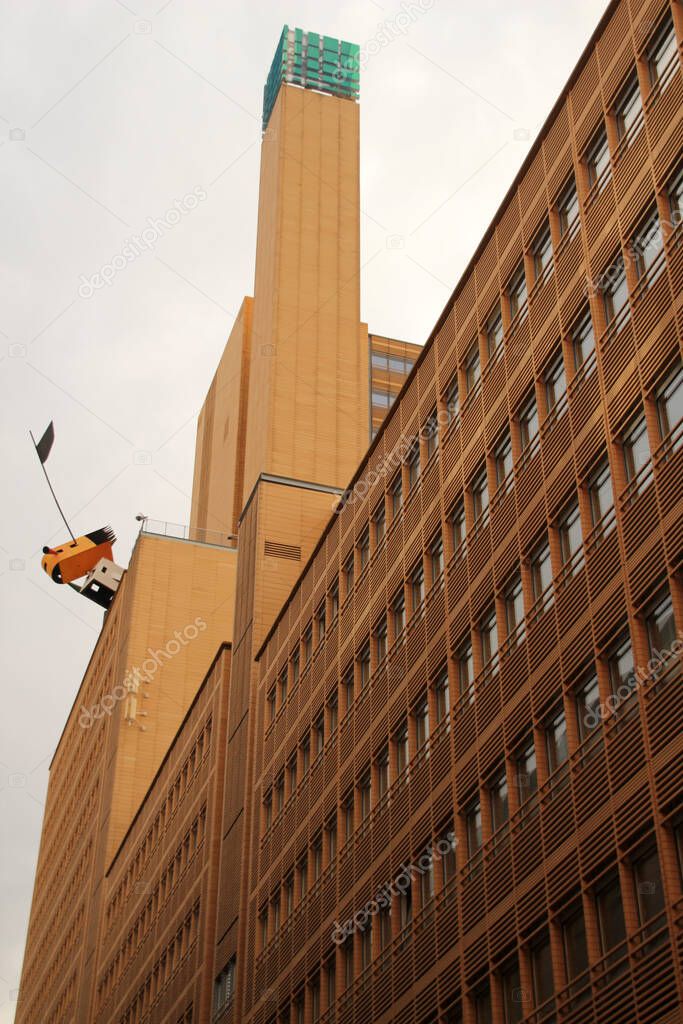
{"points": [[42, 464]]}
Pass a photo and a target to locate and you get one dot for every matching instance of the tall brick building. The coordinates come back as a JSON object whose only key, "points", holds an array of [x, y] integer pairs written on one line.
{"points": [[434, 772]]}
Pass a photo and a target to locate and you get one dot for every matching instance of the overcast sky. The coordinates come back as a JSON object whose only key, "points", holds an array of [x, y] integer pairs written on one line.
{"points": [[112, 111]]}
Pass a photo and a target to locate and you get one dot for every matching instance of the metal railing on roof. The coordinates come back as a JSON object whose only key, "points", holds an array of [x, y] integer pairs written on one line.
{"points": [[194, 534]]}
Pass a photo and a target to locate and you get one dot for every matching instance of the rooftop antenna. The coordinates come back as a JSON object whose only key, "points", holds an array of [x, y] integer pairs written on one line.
{"points": [[43, 449]]}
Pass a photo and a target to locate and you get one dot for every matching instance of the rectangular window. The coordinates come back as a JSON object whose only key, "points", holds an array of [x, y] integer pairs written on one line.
{"points": [[426, 877], [597, 161], [542, 251], [514, 607], [620, 666], [528, 423], [436, 560], [331, 830], [430, 433], [448, 861], [348, 686], [511, 987], [292, 774], [381, 399], [366, 944], [382, 764], [600, 493], [398, 609], [480, 498], [583, 340], [574, 945], [397, 495], [488, 637], [380, 523], [661, 626], [442, 695], [349, 573], [555, 385], [611, 923], [364, 549], [308, 643], [334, 600], [494, 331], [588, 707], [417, 587], [421, 716], [414, 467], [649, 888], [280, 792], [296, 667], [517, 294], [381, 640], [669, 402], [458, 528], [349, 823], [319, 734], [465, 663], [568, 210], [614, 290], [662, 54], [283, 685], [646, 248], [270, 699], [556, 742], [473, 828], [527, 775], [636, 448], [502, 455], [365, 795], [321, 621], [452, 400], [482, 1006], [674, 191], [628, 110], [472, 369], [401, 748], [571, 538], [498, 795], [364, 666], [385, 927], [542, 972], [541, 572]]}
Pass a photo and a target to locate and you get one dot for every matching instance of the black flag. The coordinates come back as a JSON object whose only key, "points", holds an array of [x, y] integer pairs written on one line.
{"points": [[44, 446]]}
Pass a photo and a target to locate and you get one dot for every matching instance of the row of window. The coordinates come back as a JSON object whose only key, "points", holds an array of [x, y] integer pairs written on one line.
{"points": [[391, 363]]}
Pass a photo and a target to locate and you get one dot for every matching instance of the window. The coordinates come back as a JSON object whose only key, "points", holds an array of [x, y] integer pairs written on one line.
{"points": [[488, 637], [382, 764], [583, 340], [401, 748], [364, 666], [319, 734], [397, 495], [473, 828], [514, 607], [347, 810], [661, 626], [331, 975], [275, 908], [472, 369], [421, 716], [542, 252], [588, 707], [271, 704], [314, 989], [542, 971], [384, 926], [465, 663], [646, 247], [334, 600], [494, 330], [502, 457], [366, 944], [414, 466], [541, 572], [517, 294], [649, 889], [600, 492], [628, 110], [597, 161], [379, 360], [511, 989], [661, 53], [614, 290], [305, 754], [331, 830], [426, 877], [398, 609], [568, 210], [348, 686], [381, 640], [364, 548], [498, 797], [406, 906], [571, 538], [283, 686], [321, 621], [380, 522], [675, 195], [555, 385], [291, 771], [417, 587], [452, 400], [263, 928], [527, 775], [528, 423], [280, 792], [611, 924], [669, 402], [574, 945], [436, 560], [458, 528], [430, 432], [348, 961], [620, 666], [636, 448], [308, 643], [556, 742], [224, 986], [482, 1006], [380, 398], [442, 701], [348, 573], [448, 861], [480, 498], [289, 894], [268, 809]]}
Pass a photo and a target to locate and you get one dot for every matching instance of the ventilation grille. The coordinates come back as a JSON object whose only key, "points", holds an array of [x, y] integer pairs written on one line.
{"points": [[283, 550]]}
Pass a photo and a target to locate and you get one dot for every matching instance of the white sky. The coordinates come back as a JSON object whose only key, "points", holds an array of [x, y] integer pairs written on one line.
{"points": [[110, 111]]}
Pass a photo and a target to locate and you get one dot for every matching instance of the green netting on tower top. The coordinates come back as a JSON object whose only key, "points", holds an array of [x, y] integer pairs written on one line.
{"points": [[312, 61]]}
